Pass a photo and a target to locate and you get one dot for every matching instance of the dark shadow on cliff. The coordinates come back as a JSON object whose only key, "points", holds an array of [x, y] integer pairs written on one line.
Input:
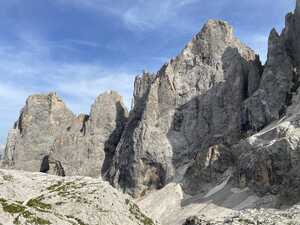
{"points": [[123, 158], [213, 119], [216, 116], [111, 144]]}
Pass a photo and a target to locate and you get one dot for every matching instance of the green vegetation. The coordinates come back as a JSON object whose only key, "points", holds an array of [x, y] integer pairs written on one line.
{"points": [[79, 221], [64, 189], [16, 208], [38, 204], [68, 190], [135, 211], [246, 221], [37, 220], [11, 208], [54, 186]]}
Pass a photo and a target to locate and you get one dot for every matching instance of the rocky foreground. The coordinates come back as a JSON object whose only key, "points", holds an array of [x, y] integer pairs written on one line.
{"points": [[36, 198], [40, 199]]}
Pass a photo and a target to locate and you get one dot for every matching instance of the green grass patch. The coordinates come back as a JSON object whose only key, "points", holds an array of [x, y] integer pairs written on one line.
{"points": [[38, 204], [136, 212]]}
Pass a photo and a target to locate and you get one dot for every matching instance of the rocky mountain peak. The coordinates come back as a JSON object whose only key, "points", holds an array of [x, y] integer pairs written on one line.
{"points": [[87, 145], [42, 119], [216, 28], [212, 75], [47, 135], [45, 109], [212, 41]]}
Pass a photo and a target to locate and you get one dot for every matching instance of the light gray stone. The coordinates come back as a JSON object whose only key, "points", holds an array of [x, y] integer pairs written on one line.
{"points": [[87, 146], [49, 138], [41, 121], [36, 198], [194, 101]]}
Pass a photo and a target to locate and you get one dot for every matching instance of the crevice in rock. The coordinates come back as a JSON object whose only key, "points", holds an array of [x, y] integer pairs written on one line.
{"points": [[45, 164], [56, 165], [111, 144], [85, 120]]}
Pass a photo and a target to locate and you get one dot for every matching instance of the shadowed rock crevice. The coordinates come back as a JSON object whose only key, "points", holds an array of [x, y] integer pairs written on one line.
{"points": [[41, 121], [121, 172], [111, 144], [89, 143], [213, 119], [177, 118], [52, 166]]}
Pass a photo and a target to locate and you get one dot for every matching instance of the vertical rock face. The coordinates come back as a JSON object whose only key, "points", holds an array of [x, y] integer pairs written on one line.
{"points": [[268, 160], [192, 102], [40, 123], [49, 138], [87, 146], [280, 79]]}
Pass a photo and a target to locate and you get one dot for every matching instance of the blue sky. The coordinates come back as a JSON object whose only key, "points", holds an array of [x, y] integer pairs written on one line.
{"points": [[80, 48]]}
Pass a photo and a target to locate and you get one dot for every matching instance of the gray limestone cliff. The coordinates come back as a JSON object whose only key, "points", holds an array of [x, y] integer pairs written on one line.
{"points": [[41, 121], [50, 138], [215, 113], [87, 146], [193, 102]]}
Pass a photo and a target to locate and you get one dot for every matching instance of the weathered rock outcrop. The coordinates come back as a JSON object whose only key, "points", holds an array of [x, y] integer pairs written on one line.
{"points": [[268, 160], [280, 79], [41, 121], [193, 102], [209, 169], [35, 198], [254, 216], [49, 138], [87, 146]]}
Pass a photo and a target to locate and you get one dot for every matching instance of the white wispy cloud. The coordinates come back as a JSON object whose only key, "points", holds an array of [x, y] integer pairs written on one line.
{"points": [[137, 14], [29, 69]]}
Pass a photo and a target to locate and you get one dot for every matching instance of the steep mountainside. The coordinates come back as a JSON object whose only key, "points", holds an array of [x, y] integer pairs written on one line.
{"points": [[40, 122], [193, 102], [49, 138], [212, 135]]}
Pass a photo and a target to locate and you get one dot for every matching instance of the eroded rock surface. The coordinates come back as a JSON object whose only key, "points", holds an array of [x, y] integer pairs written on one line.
{"points": [[193, 102], [41, 121], [36, 198], [254, 216], [49, 138], [87, 146]]}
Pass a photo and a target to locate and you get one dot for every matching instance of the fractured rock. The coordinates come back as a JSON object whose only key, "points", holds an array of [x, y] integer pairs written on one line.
{"points": [[87, 146], [41, 121], [36, 198], [193, 102]]}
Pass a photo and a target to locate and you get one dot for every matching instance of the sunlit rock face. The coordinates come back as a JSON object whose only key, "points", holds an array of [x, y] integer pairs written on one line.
{"points": [[49, 138], [216, 93], [41, 121], [193, 102], [87, 146]]}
